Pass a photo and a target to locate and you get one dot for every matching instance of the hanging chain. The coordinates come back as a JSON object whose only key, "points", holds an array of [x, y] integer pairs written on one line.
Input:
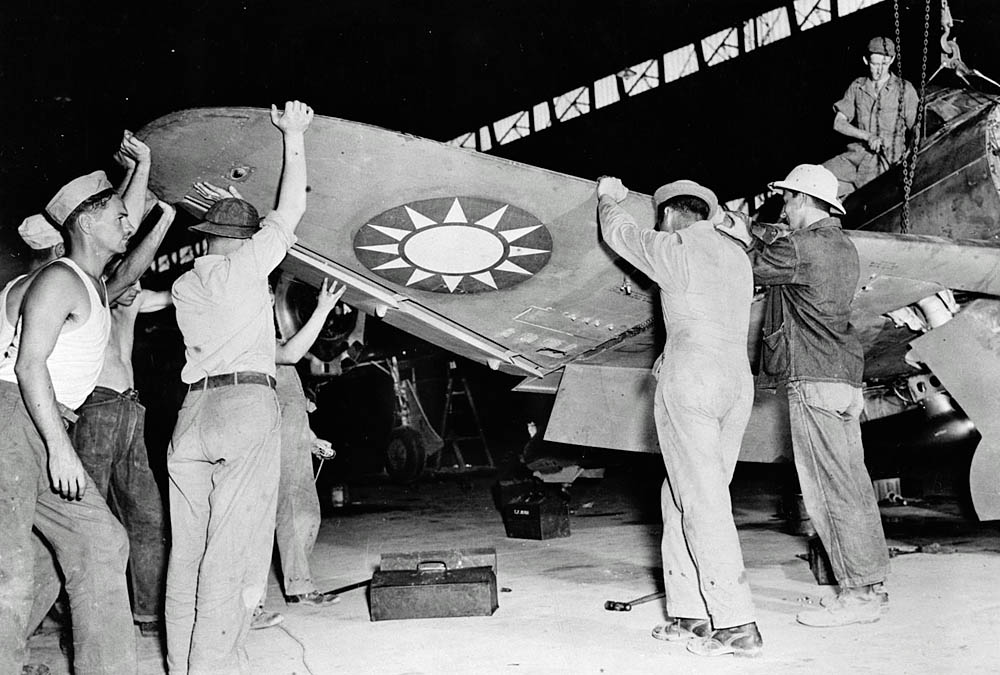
{"points": [[900, 126], [910, 159]]}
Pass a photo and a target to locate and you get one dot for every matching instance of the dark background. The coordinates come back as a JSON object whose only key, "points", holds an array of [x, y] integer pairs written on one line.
{"points": [[74, 74]]}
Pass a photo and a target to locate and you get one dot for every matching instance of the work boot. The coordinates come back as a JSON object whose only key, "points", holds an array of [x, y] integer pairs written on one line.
{"points": [[742, 640], [265, 619], [849, 606], [314, 598], [679, 628]]}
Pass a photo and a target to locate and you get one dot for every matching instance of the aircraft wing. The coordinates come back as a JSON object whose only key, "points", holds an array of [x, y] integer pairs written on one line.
{"points": [[491, 259], [900, 269]]}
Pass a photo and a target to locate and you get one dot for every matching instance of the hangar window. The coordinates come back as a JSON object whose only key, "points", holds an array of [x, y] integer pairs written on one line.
{"points": [[465, 141], [845, 7], [811, 13], [512, 127], [542, 118], [606, 91], [679, 63], [721, 46], [641, 77], [738, 205], [485, 142], [767, 28], [572, 104]]}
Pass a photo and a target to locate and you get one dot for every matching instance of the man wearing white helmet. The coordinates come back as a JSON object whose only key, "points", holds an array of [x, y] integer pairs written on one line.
{"points": [[875, 112], [810, 274], [702, 404]]}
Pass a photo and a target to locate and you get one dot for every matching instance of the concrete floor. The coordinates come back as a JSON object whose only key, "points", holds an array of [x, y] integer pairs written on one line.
{"points": [[944, 615]]}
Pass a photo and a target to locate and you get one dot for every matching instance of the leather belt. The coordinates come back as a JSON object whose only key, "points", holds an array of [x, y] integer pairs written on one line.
{"points": [[228, 379]]}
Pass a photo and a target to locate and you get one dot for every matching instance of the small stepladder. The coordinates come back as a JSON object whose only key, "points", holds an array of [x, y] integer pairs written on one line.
{"points": [[457, 389]]}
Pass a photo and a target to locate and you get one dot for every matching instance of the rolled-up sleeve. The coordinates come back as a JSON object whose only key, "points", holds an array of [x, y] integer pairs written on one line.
{"points": [[847, 103], [264, 250]]}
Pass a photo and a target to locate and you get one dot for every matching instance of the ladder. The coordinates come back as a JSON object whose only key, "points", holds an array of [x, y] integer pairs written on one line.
{"points": [[456, 391]]}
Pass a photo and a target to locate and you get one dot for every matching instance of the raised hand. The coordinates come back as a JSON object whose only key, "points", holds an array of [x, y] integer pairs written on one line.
{"points": [[328, 296], [611, 186], [295, 119], [213, 193], [131, 147]]}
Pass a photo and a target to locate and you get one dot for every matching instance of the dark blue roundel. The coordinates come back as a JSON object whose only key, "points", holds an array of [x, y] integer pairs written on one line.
{"points": [[454, 245]]}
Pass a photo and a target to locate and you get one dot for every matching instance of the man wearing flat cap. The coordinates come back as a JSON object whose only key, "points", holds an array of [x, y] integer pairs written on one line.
{"points": [[810, 347], [224, 456], [47, 371], [876, 112], [703, 399]]}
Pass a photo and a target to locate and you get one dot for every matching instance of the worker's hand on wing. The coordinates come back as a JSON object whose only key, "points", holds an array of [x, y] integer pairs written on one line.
{"points": [[735, 224], [322, 449], [214, 193], [133, 149], [612, 187], [329, 295], [66, 471], [294, 119]]}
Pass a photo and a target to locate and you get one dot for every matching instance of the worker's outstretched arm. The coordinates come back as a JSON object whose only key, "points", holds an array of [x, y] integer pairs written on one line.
{"points": [[293, 349], [292, 122]]}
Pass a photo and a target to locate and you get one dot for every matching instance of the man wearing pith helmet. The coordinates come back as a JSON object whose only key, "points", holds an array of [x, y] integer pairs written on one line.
{"points": [[810, 275], [224, 455], [702, 404], [875, 112]]}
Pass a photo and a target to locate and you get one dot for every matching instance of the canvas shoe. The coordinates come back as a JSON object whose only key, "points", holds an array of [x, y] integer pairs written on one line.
{"points": [[677, 628], [843, 610], [744, 641]]}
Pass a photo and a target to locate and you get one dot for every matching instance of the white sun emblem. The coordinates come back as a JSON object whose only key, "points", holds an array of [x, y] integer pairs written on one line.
{"points": [[466, 249]]}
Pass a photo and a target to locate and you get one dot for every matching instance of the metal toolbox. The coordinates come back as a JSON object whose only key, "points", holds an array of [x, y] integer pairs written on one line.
{"points": [[435, 584], [536, 516]]}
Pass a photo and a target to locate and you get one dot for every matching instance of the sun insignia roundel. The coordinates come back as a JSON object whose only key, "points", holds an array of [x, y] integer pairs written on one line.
{"points": [[454, 245]]}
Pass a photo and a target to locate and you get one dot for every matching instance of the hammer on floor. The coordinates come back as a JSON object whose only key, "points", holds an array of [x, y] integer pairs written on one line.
{"points": [[619, 606]]}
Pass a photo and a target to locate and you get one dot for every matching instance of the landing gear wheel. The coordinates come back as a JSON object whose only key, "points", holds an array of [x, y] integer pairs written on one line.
{"points": [[405, 455]]}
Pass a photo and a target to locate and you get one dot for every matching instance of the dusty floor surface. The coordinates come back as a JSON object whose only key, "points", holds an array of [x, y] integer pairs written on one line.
{"points": [[944, 615]]}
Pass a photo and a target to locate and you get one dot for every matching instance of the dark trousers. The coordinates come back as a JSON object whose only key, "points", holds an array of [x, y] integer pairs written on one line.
{"points": [[109, 438]]}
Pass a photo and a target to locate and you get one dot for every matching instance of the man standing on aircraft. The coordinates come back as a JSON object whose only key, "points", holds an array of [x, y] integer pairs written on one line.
{"points": [[876, 111], [703, 400], [224, 457], [810, 347], [48, 370]]}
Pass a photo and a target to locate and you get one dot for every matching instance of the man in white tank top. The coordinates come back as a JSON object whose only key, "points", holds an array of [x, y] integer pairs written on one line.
{"points": [[50, 368]]}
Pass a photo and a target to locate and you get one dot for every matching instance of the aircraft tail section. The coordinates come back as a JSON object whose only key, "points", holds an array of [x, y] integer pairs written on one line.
{"points": [[965, 355]]}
